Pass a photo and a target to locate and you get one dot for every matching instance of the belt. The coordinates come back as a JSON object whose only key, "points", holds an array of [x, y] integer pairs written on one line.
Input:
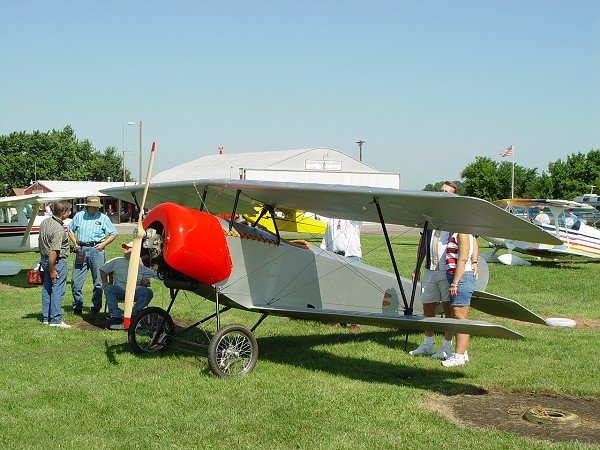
{"points": [[340, 253], [88, 244]]}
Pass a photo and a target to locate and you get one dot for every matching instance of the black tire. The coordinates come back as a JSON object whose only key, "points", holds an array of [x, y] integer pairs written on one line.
{"points": [[232, 351], [144, 326]]}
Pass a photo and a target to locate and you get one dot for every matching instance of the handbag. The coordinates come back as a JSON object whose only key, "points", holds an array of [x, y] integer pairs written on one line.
{"points": [[35, 277]]}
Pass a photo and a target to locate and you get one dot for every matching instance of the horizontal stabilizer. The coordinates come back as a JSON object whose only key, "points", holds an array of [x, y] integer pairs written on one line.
{"points": [[419, 323], [503, 307]]}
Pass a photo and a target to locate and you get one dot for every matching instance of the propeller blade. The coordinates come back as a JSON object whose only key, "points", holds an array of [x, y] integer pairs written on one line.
{"points": [[134, 259]]}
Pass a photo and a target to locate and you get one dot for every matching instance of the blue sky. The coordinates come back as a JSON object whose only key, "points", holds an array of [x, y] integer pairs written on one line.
{"points": [[428, 85]]}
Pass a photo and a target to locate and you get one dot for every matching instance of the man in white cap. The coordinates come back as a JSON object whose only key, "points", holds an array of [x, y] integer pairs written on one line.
{"points": [[90, 232], [115, 270]]}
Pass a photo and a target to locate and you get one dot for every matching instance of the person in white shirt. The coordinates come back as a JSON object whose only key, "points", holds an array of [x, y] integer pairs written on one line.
{"points": [[343, 238], [435, 285], [541, 218]]}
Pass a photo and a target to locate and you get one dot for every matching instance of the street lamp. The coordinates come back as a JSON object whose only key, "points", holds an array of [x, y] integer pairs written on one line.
{"points": [[123, 161], [360, 144], [140, 138]]}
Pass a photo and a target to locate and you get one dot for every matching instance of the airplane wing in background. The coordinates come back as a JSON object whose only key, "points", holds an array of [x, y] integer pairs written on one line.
{"points": [[410, 208], [47, 197], [541, 202]]}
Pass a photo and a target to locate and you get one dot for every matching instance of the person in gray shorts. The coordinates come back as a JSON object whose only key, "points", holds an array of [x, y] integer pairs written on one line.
{"points": [[435, 285]]}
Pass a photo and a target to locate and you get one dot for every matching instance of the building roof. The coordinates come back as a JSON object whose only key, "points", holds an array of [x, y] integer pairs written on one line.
{"points": [[230, 165]]}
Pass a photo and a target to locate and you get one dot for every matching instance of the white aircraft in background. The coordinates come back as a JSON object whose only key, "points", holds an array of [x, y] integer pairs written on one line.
{"points": [[20, 219], [578, 239]]}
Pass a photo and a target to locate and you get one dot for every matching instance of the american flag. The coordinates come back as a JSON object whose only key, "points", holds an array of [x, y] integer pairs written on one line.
{"points": [[507, 152]]}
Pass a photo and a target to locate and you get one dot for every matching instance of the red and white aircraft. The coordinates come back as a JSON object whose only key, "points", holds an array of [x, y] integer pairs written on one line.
{"points": [[237, 265], [20, 219]]}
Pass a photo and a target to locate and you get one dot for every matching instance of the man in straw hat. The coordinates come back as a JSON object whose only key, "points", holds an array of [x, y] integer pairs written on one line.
{"points": [[89, 231]]}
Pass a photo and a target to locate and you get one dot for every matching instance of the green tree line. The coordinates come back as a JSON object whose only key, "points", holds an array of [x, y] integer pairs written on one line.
{"points": [[491, 180], [55, 155]]}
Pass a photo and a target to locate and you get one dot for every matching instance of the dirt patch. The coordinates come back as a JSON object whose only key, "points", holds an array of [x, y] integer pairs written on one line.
{"points": [[504, 411], [93, 324], [8, 287], [584, 322]]}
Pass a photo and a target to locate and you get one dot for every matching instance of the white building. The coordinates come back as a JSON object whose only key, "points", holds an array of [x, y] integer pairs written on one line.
{"points": [[313, 165]]}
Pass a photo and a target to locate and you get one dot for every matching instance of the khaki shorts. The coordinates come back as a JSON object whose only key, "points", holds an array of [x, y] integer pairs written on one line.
{"points": [[435, 287]]}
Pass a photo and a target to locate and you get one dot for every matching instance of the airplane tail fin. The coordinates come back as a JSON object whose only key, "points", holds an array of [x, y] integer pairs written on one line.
{"points": [[503, 307]]}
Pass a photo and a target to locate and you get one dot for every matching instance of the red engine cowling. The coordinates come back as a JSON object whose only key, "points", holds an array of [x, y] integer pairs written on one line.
{"points": [[193, 242]]}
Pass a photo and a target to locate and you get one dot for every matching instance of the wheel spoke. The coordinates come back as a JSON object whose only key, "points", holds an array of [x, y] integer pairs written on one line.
{"points": [[146, 330], [234, 353]]}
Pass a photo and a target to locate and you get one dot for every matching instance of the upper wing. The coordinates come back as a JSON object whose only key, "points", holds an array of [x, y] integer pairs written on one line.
{"points": [[410, 208], [47, 197]]}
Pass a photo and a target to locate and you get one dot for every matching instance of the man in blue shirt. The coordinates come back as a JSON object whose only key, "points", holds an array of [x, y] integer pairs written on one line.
{"points": [[89, 231]]}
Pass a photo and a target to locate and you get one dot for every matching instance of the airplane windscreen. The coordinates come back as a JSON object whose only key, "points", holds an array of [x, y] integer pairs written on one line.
{"points": [[28, 210]]}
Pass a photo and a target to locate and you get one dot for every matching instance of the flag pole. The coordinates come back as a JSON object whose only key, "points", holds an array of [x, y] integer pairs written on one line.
{"points": [[512, 186]]}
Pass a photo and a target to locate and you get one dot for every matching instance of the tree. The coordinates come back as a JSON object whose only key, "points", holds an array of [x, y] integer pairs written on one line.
{"points": [[481, 178], [574, 176], [55, 155], [524, 177]]}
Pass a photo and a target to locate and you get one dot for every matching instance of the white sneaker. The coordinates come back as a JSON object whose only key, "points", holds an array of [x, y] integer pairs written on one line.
{"points": [[422, 350], [466, 356], [442, 353], [455, 360], [45, 322], [60, 325]]}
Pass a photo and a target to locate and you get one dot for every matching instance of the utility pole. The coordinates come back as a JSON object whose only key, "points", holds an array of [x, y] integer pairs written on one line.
{"points": [[123, 160], [360, 144]]}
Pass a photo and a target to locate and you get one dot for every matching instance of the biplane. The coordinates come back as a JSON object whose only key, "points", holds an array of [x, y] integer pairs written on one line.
{"points": [[238, 265], [577, 239]]}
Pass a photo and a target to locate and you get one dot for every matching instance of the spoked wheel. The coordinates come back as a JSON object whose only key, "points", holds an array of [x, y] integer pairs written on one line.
{"points": [[144, 327], [232, 351]]}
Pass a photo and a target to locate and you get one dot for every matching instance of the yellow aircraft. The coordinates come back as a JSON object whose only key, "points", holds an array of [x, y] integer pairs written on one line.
{"points": [[287, 220]]}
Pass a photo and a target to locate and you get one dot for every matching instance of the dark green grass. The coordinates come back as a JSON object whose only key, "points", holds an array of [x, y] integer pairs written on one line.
{"points": [[313, 386]]}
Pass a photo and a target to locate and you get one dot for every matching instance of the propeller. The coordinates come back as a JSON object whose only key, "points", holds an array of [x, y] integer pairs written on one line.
{"points": [[134, 259]]}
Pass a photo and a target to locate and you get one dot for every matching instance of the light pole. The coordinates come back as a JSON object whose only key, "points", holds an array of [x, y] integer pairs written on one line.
{"points": [[140, 139], [123, 160], [360, 144]]}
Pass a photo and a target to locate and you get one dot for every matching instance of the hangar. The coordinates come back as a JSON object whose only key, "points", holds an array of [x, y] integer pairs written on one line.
{"points": [[313, 165]]}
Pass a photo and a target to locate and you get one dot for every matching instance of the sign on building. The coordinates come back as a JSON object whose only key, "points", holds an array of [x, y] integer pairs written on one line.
{"points": [[312, 164]]}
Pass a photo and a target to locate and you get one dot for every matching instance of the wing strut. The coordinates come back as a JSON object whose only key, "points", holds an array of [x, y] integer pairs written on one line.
{"points": [[203, 200], [272, 212], [420, 257], [34, 213], [260, 216], [407, 310], [232, 218]]}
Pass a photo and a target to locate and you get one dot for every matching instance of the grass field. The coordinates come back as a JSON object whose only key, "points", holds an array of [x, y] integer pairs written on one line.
{"points": [[313, 386]]}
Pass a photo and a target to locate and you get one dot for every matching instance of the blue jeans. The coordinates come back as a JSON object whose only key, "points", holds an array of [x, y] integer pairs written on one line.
{"points": [[52, 293], [93, 259], [464, 290], [114, 293]]}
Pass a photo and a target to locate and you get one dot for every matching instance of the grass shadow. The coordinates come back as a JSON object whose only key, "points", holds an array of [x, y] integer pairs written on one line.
{"points": [[111, 350], [299, 351], [19, 280]]}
